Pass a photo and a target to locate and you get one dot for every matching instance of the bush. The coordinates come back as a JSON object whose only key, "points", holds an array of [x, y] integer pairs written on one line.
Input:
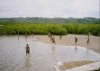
{"points": [[44, 29]]}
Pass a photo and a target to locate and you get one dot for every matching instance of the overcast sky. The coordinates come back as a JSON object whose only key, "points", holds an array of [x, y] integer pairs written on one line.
{"points": [[49, 8]]}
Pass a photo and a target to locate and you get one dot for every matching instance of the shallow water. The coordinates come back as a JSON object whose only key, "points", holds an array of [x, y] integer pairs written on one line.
{"points": [[43, 56]]}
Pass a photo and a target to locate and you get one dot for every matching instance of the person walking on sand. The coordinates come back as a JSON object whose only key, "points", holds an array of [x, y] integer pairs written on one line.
{"points": [[88, 39], [27, 49], [53, 40], [50, 36], [76, 40]]}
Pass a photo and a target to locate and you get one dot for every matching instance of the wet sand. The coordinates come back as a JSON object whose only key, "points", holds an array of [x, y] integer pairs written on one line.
{"points": [[69, 40], [69, 65]]}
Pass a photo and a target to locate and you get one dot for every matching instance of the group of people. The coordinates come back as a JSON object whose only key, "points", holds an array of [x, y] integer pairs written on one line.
{"points": [[76, 40], [53, 41], [27, 48]]}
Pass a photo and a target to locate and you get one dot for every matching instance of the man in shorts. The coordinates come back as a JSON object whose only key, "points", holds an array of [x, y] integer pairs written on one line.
{"points": [[27, 49]]}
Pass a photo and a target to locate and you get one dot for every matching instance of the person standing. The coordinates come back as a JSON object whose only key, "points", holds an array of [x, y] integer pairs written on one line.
{"points": [[88, 39], [27, 49], [60, 37], [76, 40], [53, 40], [49, 35]]}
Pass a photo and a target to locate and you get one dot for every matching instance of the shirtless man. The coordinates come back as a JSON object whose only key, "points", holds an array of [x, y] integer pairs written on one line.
{"points": [[27, 49], [76, 40], [88, 40], [53, 40]]}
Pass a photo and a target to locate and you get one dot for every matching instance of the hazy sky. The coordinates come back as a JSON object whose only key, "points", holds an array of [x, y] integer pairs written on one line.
{"points": [[49, 8]]}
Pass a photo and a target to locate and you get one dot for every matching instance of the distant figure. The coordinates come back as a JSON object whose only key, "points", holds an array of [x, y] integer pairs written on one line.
{"points": [[53, 40], [49, 34], [26, 34], [27, 49], [76, 40], [88, 40], [60, 37]]}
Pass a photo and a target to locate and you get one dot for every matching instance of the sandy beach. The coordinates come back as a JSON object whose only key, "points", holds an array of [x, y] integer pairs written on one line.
{"points": [[69, 40], [47, 57]]}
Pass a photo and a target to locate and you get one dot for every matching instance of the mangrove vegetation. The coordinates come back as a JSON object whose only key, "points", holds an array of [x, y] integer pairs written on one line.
{"points": [[44, 29]]}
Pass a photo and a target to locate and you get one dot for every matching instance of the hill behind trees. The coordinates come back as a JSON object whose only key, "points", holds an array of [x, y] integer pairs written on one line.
{"points": [[87, 20]]}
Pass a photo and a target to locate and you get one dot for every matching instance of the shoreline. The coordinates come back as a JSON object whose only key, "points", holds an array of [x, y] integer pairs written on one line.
{"points": [[69, 40], [66, 40]]}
